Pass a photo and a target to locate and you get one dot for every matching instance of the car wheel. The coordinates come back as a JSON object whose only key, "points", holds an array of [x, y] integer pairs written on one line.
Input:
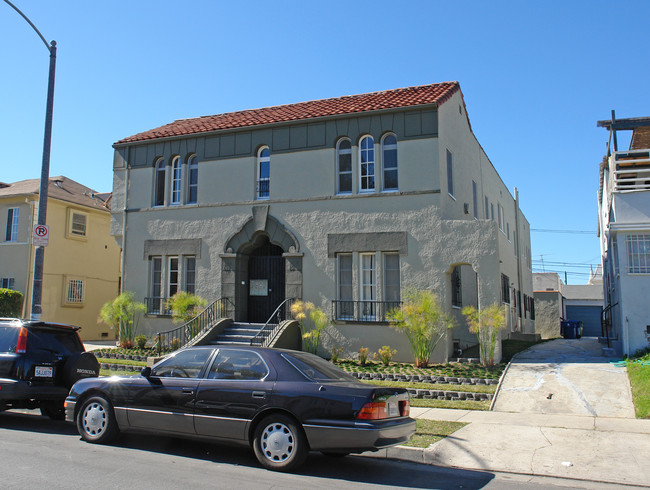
{"points": [[96, 421], [55, 412], [280, 443]]}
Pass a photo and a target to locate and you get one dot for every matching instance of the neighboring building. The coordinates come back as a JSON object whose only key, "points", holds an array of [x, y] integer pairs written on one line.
{"points": [[344, 202], [624, 230], [556, 301], [81, 267]]}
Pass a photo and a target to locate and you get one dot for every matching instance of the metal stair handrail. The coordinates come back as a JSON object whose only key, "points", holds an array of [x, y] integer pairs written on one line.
{"points": [[196, 326], [281, 313]]}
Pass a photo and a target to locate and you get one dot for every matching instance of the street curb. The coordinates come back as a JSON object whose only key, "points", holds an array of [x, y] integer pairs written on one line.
{"points": [[503, 376]]}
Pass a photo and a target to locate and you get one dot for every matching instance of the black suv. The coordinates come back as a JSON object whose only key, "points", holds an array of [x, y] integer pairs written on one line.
{"points": [[39, 362]]}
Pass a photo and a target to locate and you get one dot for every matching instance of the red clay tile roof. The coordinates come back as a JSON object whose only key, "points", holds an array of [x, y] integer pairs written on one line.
{"points": [[436, 93]]}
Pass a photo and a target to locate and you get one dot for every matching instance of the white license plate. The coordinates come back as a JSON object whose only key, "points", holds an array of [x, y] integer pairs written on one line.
{"points": [[43, 372], [392, 410]]}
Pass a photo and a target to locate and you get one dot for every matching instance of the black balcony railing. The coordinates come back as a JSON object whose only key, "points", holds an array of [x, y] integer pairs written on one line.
{"points": [[157, 306], [363, 311]]}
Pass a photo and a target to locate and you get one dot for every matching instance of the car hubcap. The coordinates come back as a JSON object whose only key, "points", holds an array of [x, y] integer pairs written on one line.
{"points": [[94, 419], [277, 442]]}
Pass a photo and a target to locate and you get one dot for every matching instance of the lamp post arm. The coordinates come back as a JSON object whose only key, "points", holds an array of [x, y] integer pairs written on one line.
{"points": [[30, 23]]}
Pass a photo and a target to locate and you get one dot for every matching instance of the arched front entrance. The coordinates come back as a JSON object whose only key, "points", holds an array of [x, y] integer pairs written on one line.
{"points": [[265, 280], [261, 266]]}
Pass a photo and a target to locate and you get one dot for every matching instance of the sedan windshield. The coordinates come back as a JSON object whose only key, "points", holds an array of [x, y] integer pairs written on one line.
{"points": [[316, 368]]}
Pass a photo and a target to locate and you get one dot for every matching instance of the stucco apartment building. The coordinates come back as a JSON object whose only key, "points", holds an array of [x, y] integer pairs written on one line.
{"points": [[81, 268], [624, 231], [344, 202]]}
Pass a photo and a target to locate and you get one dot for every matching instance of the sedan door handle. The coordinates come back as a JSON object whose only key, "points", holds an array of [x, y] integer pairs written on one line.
{"points": [[189, 391], [259, 394]]}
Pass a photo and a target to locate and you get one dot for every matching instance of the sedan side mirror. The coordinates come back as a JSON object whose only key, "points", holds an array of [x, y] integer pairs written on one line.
{"points": [[146, 372]]}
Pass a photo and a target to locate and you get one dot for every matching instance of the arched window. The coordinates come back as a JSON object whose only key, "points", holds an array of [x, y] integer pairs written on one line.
{"points": [[389, 161], [177, 181], [263, 173], [367, 164], [344, 166], [192, 179], [159, 183]]}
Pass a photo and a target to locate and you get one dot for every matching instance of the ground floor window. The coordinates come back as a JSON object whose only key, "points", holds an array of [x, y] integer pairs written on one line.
{"points": [[456, 288], [7, 283], [505, 289], [74, 292], [368, 286], [167, 276]]}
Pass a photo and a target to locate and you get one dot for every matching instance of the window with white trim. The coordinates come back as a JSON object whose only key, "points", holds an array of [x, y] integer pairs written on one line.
{"points": [[159, 183], [177, 181], [74, 291], [172, 277], [263, 173], [344, 166], [190, 274], [389, 162], [77, 223], [450, 174], [392, 290], [167, 276], [345, 303], [638, 254], [367, 164], [368, 286], [7, 283], [13, 215], [192, 180]]}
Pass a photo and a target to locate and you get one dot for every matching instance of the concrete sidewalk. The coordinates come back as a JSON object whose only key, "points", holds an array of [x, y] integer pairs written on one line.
{"points": [[590, 448]]}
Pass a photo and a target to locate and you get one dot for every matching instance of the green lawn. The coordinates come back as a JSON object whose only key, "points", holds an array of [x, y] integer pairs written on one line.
{"points": [[639, 374], [430, 431]]}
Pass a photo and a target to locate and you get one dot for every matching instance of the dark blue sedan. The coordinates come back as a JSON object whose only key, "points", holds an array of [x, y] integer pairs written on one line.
{"points": [[283, 403]]}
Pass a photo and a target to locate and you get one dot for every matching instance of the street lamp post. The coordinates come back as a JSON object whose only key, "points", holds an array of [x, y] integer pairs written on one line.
{"points": [[39, 256]]}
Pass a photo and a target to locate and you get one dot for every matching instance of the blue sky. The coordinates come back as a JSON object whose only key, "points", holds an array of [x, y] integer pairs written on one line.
{"points": [[536, 76]]}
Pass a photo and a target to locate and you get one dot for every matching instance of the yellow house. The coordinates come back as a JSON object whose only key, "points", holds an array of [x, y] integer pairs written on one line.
{"points": [[82, 261]]}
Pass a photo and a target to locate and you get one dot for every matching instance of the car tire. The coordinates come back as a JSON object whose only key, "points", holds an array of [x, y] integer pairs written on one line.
{"points": [[96, 421], [279, 443], [54, 412], [78, 366]]}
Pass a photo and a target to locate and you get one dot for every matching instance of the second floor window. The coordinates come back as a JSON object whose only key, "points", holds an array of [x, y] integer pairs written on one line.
{"points": [[450, 174], [192, 180], [263, 174], [12, 224], [389, 162], [475, 197], [159, 184], [344, 166], [367, 164], [177, 181]]}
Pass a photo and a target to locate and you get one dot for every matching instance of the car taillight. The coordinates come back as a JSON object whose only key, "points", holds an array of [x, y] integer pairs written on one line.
{"points": [[21, 346], [373, 411], [404, 408]]}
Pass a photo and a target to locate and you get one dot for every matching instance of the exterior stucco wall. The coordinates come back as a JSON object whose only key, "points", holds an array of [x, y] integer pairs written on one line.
{"points": [[548, 311], [15, 256]]}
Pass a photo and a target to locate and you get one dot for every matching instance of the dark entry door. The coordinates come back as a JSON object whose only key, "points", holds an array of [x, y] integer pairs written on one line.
{"points": [[266, 282]]}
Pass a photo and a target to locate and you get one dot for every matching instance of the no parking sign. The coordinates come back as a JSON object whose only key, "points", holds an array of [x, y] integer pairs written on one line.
{"points": [[41, 236]]}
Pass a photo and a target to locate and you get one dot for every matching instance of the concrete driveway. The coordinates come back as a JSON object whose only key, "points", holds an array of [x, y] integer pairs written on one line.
{"points": [[566, 376]]}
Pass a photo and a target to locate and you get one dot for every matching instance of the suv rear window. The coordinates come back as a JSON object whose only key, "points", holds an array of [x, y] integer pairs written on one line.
{"points": [[53, 340], [8, 339]]}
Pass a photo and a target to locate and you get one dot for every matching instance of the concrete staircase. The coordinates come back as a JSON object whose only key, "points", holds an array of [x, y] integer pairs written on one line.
{"points": [[238, 334]]}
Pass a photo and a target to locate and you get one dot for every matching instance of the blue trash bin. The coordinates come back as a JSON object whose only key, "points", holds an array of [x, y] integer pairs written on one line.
{"points": [[571, 329]]}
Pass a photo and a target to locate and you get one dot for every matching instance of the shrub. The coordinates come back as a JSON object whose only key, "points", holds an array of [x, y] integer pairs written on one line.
{"points": [[486, 325], [303, 311], [385, 355], [363, 355], [141, 341], [175, 344], [123, 315], [11, 303], [185, 306], [336, 353], [424, 322]]}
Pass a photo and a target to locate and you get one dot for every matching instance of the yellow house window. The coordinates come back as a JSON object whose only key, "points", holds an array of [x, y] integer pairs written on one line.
{"points": [[74, 291], [77, 224]]}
